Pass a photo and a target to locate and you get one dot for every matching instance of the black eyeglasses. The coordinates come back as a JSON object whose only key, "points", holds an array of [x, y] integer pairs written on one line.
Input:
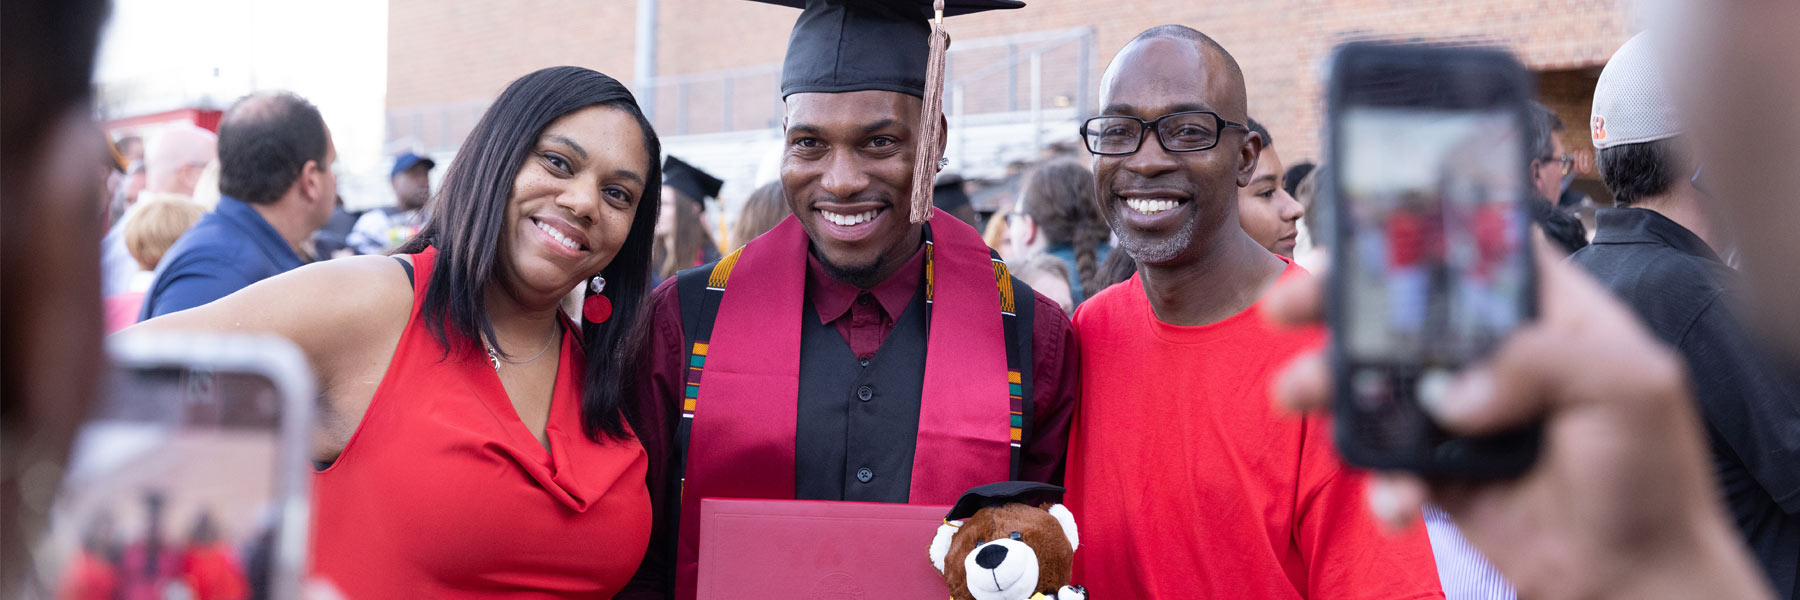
{"points": [[1190, 131], [1564, 163]]}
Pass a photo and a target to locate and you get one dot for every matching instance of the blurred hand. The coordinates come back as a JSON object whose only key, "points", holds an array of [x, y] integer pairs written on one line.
{"points": [[1621, 502]]}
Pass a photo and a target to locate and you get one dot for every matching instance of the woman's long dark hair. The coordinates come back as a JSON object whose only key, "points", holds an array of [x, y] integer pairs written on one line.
{"points": [[1059, 196], [468, 216]]}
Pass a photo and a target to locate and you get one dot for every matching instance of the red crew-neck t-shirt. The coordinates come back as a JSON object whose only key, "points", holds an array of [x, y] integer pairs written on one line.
{"points": [[1186, 482]]}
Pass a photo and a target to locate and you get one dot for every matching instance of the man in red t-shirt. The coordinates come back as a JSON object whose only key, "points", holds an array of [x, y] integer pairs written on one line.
{"points": [[1186, 483]]}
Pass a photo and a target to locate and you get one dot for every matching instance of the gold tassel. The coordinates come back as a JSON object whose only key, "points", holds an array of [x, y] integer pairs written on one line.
{"points": [[931, 131]]}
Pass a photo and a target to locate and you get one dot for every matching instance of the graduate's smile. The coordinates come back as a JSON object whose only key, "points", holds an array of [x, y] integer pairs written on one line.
{"points": [[851, 222]]}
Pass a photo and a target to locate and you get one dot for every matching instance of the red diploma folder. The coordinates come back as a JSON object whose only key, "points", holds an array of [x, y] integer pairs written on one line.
{"points": [[816, 549]]}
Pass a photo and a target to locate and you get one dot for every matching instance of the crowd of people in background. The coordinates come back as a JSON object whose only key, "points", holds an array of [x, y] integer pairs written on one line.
{"points": [[450, 304]]}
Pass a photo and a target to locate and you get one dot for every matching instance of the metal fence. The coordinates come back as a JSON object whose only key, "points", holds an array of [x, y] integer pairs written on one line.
{"points": [[1023, 74]]}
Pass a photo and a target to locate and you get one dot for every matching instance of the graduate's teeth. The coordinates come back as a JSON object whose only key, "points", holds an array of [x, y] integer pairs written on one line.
{"points": [[1150, 207], [844, 220], [560, 238]]}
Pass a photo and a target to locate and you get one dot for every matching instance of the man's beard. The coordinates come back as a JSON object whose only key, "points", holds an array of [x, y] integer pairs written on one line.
{"points": [[1157, 251], [861, 276]]}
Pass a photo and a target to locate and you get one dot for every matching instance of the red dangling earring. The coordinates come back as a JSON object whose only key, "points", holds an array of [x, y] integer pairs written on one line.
{"points": [[597, 308]]}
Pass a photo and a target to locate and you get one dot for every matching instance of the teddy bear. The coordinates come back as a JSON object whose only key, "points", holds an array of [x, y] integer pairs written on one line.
{"points": [[1011, 540]]}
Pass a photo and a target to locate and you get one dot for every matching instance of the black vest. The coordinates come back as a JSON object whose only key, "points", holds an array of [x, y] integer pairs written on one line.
{"points": [[859, 421]]}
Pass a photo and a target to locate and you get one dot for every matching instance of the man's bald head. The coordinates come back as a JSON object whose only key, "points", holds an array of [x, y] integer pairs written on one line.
{"points": [[1208, 56], [172, 164]]}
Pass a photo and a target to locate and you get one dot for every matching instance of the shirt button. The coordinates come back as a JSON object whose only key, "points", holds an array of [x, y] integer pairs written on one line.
{"points": [[864, 475], [862, 361], [863, 299], [864, 393]]}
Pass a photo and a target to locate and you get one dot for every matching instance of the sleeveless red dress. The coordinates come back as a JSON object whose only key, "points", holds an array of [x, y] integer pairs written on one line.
{"points": [[443, 492]]}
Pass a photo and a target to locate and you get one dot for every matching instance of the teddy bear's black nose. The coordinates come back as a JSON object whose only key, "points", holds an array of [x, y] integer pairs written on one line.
{"points": [[990, 556]]}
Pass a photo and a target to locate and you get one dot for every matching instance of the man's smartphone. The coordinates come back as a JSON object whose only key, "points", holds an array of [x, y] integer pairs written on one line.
{"points": [[1431, 261], [189, 478]]}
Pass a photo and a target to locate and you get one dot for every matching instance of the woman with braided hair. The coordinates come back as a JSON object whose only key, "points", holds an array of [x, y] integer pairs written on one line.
{"points": [[1057, 216]]}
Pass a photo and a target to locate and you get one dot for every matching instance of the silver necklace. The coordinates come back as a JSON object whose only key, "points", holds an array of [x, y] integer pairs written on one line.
{"points": [[494, 356]]}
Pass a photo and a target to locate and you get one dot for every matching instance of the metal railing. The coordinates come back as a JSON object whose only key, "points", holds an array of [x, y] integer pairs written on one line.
{"points": [[1021, 73]]}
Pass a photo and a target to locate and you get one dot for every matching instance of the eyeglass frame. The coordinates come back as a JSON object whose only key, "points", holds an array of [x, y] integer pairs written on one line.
{"points": [[1565, 162], [1155, 125]]}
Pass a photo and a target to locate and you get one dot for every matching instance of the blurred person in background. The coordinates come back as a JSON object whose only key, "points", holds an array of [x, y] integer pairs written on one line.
{"points": [[1313, 253], [1047, 275], [150, 563], [332, 240], [131, 147], [998, 235], [1561, 228], [454, 390], [682, 240], [209, 566], [93, 573], [1217, 494], [1056, 215], [172, 168], [388, 227], [154, 227], [949, 195], [1118, 267], [826, 377], [112, 170], [1659, 251], [1550, 161], [1266, 210], [1290, 181], [1545, 173], [276, 188], [765, 209]]}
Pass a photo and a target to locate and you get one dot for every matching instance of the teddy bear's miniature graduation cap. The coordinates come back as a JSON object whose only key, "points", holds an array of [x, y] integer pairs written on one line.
{"points": [[891, 45], [1029, 493]]}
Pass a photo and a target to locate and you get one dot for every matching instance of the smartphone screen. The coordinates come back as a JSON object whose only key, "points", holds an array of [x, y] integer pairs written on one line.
{"points": [[1431, 266], [186, 480]]}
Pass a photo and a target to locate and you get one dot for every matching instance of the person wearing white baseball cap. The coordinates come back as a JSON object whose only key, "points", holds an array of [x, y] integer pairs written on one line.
{"points": [[1659, 252]]}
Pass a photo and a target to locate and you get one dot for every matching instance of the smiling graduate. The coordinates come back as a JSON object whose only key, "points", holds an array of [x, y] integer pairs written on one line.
{"points": [[860, 350]]}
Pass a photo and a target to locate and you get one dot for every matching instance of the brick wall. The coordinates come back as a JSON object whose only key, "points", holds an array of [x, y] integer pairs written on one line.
{"points": [[448, 52]]}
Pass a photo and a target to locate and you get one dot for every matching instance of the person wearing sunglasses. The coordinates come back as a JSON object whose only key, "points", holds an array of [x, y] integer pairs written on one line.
{"points": [[1186, 482]]}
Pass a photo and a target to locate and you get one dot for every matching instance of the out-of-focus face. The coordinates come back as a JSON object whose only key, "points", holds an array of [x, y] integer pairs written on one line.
{"points": [[1266, 211], [1021, 231], [672, 200], [412, 187], [573, 202], [326, 185], [1546, 178], [1159, 204], [847, 174]]}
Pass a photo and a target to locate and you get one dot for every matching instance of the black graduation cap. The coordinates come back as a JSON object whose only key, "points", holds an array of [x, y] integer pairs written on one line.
{"points": [[855, 45], [697, 184], [996, 494], [948, 193]]}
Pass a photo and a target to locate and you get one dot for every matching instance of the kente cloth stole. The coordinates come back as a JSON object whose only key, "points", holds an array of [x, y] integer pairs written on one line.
{"points": [[746, 343]]}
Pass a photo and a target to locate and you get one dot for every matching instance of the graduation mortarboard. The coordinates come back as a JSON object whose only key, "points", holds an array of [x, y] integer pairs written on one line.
{"points": [[692, 181], [855, 45], [1005, 492], [891, 45]]}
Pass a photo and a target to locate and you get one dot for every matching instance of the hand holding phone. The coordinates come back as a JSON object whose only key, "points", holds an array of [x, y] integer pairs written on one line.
{"points": [[1431, 261]]}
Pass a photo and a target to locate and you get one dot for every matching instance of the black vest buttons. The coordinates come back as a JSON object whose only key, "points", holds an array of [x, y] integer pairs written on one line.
{"points": [[864, 393], [862, 361], [864, 475]]}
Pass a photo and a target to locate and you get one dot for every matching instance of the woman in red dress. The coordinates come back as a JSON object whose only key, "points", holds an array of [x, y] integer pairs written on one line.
{"points": [[473, 433]]}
